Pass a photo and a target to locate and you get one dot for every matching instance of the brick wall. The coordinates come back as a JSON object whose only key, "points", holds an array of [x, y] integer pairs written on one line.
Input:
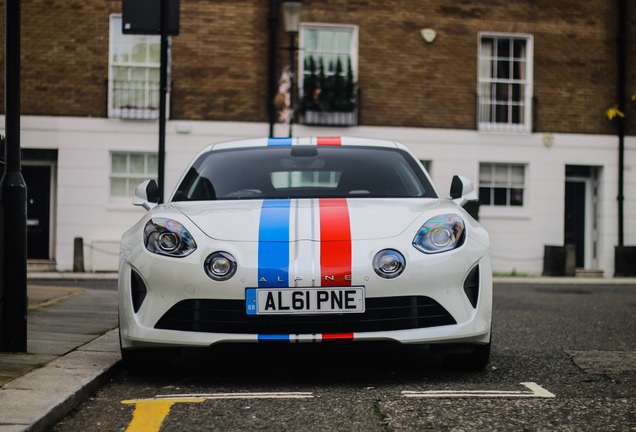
{"points": [[220, 59], [408, 82], [64, 63]]}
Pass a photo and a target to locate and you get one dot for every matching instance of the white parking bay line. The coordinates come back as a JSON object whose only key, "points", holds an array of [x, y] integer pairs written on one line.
{"points": [[536, 391], [254, 395]]}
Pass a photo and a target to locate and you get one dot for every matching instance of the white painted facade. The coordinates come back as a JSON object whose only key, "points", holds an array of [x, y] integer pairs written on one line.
{"points": [[82, 207]]}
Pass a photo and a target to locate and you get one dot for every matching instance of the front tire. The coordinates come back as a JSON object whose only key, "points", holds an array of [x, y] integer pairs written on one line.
{"points": [[471, 357], [147, 360], [134, 361], [139, 361]]}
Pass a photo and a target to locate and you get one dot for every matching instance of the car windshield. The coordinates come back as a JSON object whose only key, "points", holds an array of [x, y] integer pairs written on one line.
{"points": [[304, 172]]}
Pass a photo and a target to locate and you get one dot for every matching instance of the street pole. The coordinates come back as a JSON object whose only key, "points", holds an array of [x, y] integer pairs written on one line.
{"points": [[291, 16], [163, 88], [272, 86], [292, 106], [13, 200], [621, 92]]}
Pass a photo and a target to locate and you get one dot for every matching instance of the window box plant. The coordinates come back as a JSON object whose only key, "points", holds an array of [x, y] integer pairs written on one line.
{"points": [[328, 99]]}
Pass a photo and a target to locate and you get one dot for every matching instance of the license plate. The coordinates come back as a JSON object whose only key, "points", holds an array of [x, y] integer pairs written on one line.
{"points": [[268, 301]]}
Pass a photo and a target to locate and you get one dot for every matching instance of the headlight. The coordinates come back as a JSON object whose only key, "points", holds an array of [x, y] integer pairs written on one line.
{"points": [[168, 237], [389, 263], [220, 266], [440, 234]]}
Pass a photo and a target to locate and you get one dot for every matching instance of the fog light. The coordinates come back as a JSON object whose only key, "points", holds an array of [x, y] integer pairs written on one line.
{"points": [[389, 263], [220, 266]]}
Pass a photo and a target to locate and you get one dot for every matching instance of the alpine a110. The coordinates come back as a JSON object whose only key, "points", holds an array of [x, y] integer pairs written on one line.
{"points": [[306, 240]]}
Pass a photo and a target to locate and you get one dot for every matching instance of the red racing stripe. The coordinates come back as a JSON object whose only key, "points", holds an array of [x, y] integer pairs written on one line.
{"points": [[335, 242], [328, 141], [335, 336]]}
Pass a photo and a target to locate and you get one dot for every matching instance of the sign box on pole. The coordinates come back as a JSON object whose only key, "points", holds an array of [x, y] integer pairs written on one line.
{"points": [[144, 17]]}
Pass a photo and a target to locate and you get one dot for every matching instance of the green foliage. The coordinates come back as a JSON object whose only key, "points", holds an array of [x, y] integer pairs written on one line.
{"points": [[310, 85], [328, 93]]}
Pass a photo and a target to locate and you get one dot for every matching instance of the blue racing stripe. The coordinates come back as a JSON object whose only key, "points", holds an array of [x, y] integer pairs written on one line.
{"points": [[273, 338], [279, 141], [273, 244]]}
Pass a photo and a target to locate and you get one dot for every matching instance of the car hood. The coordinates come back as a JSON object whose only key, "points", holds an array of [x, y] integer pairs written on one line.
{"points": [[305, 219]]}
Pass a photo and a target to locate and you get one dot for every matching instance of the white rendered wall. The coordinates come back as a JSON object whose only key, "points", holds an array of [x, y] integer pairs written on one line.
{"points": [[85, 209]]}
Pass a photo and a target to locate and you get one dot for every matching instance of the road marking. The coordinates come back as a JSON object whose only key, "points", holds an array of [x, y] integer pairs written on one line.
{"points": [[149, 414], [536, 391], [255, 395]]}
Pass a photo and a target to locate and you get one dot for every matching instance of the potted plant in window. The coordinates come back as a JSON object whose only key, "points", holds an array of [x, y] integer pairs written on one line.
{"points": [[328, 100]]}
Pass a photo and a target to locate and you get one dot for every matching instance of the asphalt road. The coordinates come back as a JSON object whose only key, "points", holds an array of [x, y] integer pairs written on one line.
{"points": [[564, 359]]}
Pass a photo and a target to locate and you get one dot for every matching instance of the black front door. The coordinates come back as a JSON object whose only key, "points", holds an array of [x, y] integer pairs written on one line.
{"points": [[574, 228], [38, 181]]}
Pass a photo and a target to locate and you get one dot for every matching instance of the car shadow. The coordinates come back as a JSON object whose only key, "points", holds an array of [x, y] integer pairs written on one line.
{"points": [[301, 365]]}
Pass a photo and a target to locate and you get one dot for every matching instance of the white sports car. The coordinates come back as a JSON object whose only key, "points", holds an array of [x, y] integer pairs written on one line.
{"points": [[306, 240]]}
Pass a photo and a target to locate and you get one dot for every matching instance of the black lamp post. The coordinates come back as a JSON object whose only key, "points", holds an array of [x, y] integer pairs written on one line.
{"points": [[291, 18], [13, 201]]}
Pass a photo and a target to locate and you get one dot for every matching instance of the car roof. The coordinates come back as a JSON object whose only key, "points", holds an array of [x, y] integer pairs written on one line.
{"points": [[294, 141], [306, 141]]}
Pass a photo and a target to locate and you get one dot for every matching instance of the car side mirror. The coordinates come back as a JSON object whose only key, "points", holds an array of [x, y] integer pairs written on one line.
{"points": [[462, 191], [147, 195]]}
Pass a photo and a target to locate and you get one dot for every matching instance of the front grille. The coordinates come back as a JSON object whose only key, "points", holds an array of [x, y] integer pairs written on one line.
{"points": [[382, 314]]}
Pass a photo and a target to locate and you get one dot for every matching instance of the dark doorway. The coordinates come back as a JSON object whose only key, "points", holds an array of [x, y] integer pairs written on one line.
{"points": [[38, 181], [574, 229], [581, 219]]}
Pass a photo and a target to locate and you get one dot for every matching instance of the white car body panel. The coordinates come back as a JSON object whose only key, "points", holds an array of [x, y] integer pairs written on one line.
{"points": [[234, 226]]}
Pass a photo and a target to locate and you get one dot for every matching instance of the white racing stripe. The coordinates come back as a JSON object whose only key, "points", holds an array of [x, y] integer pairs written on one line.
{"points": [[536, 391]]}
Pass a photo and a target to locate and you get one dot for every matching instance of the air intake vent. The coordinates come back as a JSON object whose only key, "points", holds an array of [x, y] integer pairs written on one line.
{"points": [[138, 290], [382, 314], [471, 286]]}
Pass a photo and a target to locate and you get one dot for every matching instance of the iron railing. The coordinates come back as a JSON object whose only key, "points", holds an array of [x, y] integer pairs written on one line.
{"points": [[133, 100], [329, 117]]}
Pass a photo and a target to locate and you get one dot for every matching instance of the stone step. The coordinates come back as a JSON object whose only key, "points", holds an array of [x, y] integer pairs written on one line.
{"points": [[35, 265], [588, 273]]}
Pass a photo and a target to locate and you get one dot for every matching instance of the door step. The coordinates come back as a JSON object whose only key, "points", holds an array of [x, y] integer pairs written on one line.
{"points": [[588, 273], [36, 265]]}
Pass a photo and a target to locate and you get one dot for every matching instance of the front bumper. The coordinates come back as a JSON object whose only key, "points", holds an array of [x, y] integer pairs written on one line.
{"points": [[445, 315]]}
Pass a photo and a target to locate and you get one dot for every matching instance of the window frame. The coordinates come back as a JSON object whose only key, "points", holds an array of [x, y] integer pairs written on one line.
{"points": [[486, 114], [150, 112], [353, 47], [332, 117], [509, 185], [128, 176]]}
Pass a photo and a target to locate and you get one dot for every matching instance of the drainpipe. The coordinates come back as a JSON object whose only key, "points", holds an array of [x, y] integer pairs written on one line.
{"points": [[271, 68], [164, 19], [620, 86]]}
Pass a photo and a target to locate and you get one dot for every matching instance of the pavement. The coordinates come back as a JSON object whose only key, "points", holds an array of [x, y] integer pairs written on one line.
{"points": [[73, 345], [72, 349]]}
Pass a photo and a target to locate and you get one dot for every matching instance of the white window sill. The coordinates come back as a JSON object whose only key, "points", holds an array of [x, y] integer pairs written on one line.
{"points": [[493, 212], [123, 205], [503, 128]]}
